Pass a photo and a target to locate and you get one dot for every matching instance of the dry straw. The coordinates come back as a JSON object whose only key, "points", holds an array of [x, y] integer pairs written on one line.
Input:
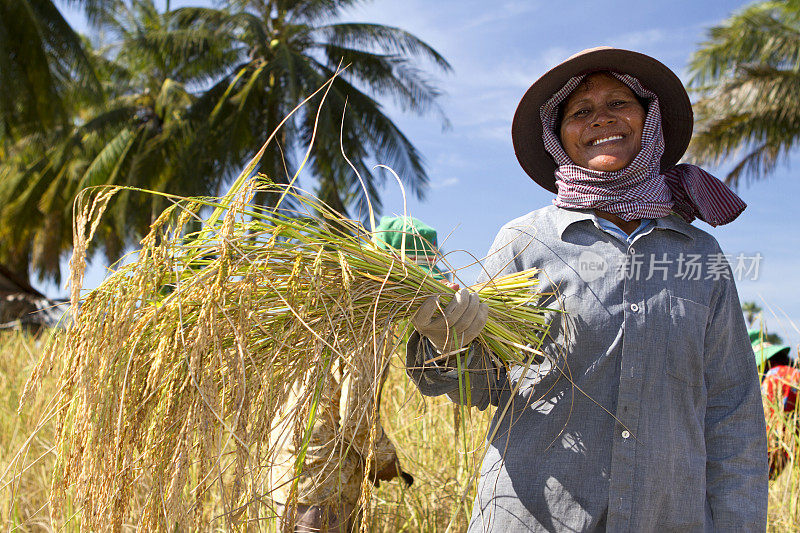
{"points": [[179, 367]]}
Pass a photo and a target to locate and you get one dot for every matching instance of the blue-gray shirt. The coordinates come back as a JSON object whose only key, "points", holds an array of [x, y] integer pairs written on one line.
{"points": [[645, 414]]}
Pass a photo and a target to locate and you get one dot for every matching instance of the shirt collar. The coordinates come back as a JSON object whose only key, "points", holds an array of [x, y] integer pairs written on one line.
{"points": [[675, 223], [571, 216]]}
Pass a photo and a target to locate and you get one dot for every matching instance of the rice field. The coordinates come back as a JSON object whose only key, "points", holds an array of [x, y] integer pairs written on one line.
{"points": [[428, 435], [188, 372], [157, 409]]}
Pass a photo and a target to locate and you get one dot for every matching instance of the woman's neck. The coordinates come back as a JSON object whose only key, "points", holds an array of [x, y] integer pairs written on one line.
{"points": [[628, 226]]}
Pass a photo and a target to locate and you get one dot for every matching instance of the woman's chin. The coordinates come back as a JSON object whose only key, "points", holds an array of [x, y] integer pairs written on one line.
{"points": [[607, 163]]}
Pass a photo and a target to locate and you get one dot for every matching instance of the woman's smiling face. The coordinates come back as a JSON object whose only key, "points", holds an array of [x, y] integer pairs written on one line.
{"points": [[602, 124]]}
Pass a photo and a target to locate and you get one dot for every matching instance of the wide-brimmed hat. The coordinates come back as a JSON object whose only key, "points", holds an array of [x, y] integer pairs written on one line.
{"points": [[676, 109], [765, 351]]}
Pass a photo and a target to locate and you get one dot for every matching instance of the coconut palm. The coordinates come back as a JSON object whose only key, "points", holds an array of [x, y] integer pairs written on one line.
{"points": [[286, 49], [747, 75], [137, 136], [193, 92], [45, 74], [41, 59], [751, 312]]}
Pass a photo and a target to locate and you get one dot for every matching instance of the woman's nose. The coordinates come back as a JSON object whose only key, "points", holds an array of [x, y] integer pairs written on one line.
{"points": [[603, 118]]}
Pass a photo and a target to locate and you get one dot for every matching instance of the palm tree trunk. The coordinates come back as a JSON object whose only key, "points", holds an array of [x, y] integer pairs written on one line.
{"points": [[17, 259]]}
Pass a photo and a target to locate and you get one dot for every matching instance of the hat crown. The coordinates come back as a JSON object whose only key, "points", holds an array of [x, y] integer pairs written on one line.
{"points": [[764, 350], [409, 233], [588, 51]]}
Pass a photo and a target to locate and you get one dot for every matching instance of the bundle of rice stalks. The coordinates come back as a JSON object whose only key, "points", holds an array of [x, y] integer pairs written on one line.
{"points": [[179, 367]]}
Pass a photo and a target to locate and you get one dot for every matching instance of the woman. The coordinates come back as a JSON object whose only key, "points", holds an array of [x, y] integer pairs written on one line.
{"points": [[644, 413]]}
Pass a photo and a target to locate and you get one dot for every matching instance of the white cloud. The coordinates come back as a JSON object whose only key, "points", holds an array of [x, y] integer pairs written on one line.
{"points": [[552, 56], [449, 159], [447, 182], [642, 39], [497, 132], [506, 11]]}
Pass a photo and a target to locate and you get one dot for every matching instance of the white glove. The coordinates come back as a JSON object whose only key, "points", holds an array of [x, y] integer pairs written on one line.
{"points": [[462, 321]]}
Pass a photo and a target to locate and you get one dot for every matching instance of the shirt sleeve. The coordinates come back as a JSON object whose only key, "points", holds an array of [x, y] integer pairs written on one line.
{"points": [[360, 406], [481, 380], [735, 432]]}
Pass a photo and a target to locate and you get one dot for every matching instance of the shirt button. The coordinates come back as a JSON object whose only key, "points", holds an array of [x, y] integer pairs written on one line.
{"points": [[625, 434], [632, 250], [634, 307]]}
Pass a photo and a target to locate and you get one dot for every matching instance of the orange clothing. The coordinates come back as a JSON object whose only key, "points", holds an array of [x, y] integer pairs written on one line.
{"points": [[779, 389]]}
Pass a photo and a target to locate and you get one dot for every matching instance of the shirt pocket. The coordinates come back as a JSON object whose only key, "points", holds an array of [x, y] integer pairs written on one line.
{"points": [[686, 339]]}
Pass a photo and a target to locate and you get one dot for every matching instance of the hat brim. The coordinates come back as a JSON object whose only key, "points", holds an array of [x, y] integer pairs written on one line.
{"points": [[676, 110], [767, 352]]}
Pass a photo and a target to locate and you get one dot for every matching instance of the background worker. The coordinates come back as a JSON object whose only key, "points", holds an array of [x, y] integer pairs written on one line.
{"points": [[780, 382], [331, 481]]}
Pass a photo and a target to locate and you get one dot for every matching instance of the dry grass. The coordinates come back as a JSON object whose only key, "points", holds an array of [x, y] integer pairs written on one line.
{"points": [[25, 479], [422, 429], [173, 379], [167, 394], [431, 435], [784, 492]]}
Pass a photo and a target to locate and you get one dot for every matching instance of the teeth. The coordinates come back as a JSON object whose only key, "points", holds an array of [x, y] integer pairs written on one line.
{"points": [[606, 139]]}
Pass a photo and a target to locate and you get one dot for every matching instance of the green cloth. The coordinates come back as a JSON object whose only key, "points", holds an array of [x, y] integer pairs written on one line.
{"points": [[765, 351], [419, 239]]}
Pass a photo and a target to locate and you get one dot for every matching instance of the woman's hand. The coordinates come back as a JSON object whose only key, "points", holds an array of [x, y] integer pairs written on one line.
{"points": [[459, 324]]}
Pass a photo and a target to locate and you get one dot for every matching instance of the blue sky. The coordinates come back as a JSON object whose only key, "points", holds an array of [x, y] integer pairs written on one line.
{"points": [[497, 50]]}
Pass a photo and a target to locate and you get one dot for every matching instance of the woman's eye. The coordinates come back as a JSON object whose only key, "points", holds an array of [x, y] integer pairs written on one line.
{"points": [[580, 112], [618, 103]]}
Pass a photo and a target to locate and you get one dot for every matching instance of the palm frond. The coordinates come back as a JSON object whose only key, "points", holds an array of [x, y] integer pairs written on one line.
{"points": [[387, 39], [40, 56], [747, 76], [106, 166], [392, 76]]}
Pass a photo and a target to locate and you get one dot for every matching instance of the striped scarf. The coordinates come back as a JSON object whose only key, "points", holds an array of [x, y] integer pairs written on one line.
{"points": [[639, 190]]}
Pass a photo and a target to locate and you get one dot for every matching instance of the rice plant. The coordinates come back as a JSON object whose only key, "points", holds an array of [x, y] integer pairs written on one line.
{"points": [[177, 368], [783, 440]]}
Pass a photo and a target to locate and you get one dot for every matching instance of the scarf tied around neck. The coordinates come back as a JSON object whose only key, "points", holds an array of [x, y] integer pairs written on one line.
{"points": [[639, 190]]}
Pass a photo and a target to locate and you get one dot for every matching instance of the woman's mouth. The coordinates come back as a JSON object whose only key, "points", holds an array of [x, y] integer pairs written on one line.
{"points": [[606, 139]]}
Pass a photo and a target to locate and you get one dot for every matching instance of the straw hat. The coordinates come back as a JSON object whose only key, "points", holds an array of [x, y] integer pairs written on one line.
{"points": [[676, 109]]}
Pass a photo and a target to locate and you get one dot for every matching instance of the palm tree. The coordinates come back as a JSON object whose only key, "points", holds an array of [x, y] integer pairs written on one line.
{"points": [[747, 75], [285, 50], [191, 93], [751, 312], [755, 319], [41, 60], [136, 136], [44, 74]]}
